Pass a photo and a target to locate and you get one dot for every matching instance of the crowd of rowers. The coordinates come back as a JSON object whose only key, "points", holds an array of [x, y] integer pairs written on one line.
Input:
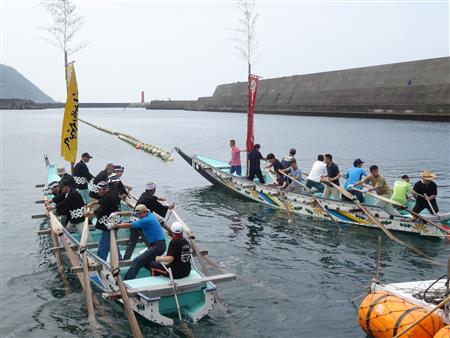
{"points": [[73, 200], [324, 173]]}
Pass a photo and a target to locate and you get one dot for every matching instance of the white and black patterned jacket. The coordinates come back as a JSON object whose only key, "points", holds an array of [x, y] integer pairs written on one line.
{"points": [[72, 206]]}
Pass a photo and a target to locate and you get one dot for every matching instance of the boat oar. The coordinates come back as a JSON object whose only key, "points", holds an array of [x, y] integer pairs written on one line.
{"points": [[374, 220], [282, 197], [426, 220], [316, 200], [87, 283], [183, 324], [437, 307], [174, 287], [115, 270]]}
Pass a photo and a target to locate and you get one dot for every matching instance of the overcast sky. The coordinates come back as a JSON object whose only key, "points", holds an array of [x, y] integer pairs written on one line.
{"points": [[183, 49]]}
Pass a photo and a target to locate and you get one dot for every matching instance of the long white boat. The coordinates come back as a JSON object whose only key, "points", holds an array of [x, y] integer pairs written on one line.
{"points": [[218, 173], [152, 297]]}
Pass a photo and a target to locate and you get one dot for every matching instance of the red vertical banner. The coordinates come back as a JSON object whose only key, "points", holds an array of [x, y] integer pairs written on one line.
{"points": [[252, 88]]}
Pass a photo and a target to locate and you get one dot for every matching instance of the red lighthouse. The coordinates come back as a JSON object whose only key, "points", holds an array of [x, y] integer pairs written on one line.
{"points": [[142, 97]]}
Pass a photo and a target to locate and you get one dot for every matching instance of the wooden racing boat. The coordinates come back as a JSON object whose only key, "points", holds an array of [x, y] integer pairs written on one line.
{"points": [[152, 297], [301, 202]]}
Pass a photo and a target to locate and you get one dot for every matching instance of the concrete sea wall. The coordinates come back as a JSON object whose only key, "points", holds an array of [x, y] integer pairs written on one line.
{"points": [[408, 90]]}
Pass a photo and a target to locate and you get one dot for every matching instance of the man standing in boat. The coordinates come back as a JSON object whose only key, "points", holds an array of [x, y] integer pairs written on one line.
{"points": [[235, 161], [82, 176], [401, 189], [152, 231], [333, 175], [153, 203], [109, 204], [119, 170], [277, 167], [254, 158], [425, 192], [354, 175], [101, 176], [380, 186], [318, 170], [178, 256]]}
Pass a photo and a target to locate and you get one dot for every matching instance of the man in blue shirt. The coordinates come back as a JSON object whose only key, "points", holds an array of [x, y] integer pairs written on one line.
{"points": [[353, 176], [152, 231]]}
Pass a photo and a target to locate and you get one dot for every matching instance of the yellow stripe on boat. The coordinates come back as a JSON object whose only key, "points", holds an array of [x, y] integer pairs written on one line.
{"points": [[353, 217]]}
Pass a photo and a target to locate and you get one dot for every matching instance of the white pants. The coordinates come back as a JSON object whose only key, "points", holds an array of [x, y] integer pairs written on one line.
{"points": [[329, 190]]}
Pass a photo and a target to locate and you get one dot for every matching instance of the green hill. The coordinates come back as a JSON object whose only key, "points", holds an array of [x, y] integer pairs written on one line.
{"points": [[14, 85]]}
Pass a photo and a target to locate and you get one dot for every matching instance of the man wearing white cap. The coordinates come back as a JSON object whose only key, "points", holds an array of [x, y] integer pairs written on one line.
{"points": [[61, 171], [152, 231], [178, 256], [152, 202], [55, 190]]}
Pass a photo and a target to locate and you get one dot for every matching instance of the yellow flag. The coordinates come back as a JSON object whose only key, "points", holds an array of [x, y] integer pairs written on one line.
{"points": [[69, 135]]}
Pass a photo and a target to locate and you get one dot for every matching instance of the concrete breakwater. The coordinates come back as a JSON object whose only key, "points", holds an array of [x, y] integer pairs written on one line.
{"points": [[408, 90], [29, 104]]}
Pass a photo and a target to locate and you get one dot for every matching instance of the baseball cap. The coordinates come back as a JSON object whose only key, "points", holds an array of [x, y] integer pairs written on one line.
{"points": [[358, 161], [141, 208], [176, 227], [86, 155]]}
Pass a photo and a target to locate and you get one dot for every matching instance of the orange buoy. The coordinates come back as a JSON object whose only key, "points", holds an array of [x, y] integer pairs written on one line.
{"points": [[443, 333], [138, 146], [382, 315]]}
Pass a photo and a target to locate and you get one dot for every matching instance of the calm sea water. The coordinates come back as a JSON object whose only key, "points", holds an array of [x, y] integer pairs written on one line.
{"points": [[296, 280]]}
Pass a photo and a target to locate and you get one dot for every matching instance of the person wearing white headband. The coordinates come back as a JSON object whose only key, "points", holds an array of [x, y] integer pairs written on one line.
{"points": [[55, 190], [153, 202], [178, 256]]}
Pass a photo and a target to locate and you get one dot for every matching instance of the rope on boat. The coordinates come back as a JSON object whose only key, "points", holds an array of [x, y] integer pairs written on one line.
{"points": [[149, 148]]}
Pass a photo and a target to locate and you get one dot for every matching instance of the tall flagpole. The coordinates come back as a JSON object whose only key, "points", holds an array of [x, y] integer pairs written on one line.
{"points": [[248, 113]]}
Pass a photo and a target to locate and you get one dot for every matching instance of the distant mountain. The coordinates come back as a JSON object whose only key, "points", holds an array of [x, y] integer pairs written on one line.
{"points": [[15, 86]]}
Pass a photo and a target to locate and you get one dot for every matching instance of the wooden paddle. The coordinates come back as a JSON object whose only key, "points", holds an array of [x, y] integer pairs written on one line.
{"points": [[74, 262], [282, 197], [426, 220], [115, 270], [374, 220], [174, 287], [316, 200], [437, 307], [87, 283], [54, 236]]}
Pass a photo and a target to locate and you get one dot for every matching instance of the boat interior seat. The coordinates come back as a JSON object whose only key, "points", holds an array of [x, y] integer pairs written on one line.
{"points": [[159, 280]]}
